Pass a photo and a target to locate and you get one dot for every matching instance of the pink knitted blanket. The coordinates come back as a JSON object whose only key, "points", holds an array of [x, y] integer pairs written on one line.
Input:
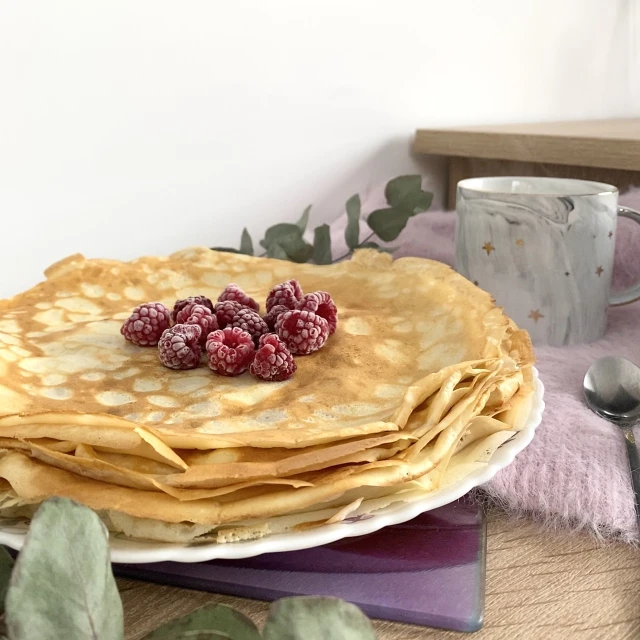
{"points": [[575, 473]]}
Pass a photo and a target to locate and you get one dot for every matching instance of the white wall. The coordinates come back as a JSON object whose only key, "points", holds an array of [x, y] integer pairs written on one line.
{"points": [[130, 127]]}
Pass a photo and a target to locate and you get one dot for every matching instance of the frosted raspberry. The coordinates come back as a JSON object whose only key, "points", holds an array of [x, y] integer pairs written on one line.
{"points": [[286, 293], [181, 304], [202, 316], [179, 346], [273, 314], [321, 304], [225, 311], [297, 289], [234, 292], [265, 336], [230, 351], [251, 322], [273, 361], [302, 331], [146, 324]]}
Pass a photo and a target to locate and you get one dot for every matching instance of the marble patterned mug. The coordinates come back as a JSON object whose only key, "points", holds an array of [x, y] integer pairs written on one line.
{"points": [[543, 247]]}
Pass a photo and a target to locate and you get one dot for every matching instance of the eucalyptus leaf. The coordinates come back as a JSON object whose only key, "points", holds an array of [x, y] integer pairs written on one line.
{"points": [[297, 249], [62, 585], [279, 231], [208, 623], [6, 566], [388, 224], [289, 238], [276, 251], [398, 189], [352, 232], [246, 243], [304, 219], [312, 618], [322, 244], [417, 202], [225, 249], [304, 255]]}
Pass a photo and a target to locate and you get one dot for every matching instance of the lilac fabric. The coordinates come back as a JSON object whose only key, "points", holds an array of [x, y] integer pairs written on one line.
{"points": [[575, 473]]}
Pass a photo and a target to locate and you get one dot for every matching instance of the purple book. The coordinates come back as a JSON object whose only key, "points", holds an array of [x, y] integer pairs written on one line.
{"points": [[429, 571]]}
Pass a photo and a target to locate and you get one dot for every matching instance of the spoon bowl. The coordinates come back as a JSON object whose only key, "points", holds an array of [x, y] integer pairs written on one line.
{"points": [[612, 390]]}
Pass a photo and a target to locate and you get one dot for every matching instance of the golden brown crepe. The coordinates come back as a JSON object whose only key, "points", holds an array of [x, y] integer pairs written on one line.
{"points": [[423, 372]]}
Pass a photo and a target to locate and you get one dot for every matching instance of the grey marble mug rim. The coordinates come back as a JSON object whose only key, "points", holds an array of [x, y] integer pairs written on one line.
{"points": [[474, 185]]}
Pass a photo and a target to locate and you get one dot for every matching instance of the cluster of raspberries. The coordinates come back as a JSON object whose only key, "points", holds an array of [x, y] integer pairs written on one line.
{"points": [[233, 333]]}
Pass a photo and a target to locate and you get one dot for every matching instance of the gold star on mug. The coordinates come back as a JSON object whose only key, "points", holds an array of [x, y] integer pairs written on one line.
{"points": [[520, 242], [488, 247], [535, 315], [599, 271]]}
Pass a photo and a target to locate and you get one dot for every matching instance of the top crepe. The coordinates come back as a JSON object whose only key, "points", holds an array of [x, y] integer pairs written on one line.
{"points": [[64, 367]]}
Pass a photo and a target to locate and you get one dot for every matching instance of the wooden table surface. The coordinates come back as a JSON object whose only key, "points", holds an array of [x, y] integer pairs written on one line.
{"points": [[609, 144], [540, 585], [600, 150]]}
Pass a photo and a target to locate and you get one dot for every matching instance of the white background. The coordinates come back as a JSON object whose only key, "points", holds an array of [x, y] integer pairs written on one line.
{"points": [[131, 127]]}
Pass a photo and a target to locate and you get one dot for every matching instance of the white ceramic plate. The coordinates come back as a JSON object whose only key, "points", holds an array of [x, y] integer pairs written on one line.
{"points": [[12, 532]]}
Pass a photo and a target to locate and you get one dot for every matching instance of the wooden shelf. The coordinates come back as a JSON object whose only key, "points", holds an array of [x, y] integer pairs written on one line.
{"points": [[604, 150]]}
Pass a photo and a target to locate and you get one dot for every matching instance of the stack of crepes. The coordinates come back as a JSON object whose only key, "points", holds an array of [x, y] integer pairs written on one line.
{"points": [[422, 381]]}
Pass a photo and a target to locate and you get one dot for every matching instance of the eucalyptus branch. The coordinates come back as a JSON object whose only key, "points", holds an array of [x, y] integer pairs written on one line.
{"points": [[285, 241], [359, 246]]}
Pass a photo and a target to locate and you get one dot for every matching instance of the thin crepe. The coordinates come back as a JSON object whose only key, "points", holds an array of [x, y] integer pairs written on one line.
{"points": [[61, 349], [422, 380]]}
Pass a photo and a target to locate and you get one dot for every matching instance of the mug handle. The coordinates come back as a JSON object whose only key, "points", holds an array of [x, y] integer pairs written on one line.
{"points": [[633, 292]]}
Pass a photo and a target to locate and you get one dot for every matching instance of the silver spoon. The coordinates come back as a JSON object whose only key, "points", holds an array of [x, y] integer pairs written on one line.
{"points": [[612, 390]]}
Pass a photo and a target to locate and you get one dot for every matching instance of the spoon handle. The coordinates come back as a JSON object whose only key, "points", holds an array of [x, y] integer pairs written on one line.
{"points": [[634, 464]]}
